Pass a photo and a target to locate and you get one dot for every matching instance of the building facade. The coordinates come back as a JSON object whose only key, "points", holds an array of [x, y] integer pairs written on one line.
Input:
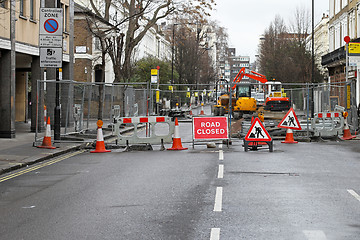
{"points": [[20, 60], [344, 20], [231, 66]]}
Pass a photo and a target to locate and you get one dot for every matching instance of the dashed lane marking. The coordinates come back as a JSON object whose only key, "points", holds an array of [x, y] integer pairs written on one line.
{"points": [[215, 234], [315, 235], [48, 163], [221, 171], [221, 155], [355, 195], [218, 199], [220, 146]]}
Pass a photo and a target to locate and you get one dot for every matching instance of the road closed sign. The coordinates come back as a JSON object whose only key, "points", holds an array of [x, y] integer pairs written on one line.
{"points": [[210, 128]]}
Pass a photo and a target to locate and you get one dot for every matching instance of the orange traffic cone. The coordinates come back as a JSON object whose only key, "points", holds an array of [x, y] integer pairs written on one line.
{"points": [[289, 137], [176, 139], [202, 109], [347, 135], [100, 144], [47, 139]]}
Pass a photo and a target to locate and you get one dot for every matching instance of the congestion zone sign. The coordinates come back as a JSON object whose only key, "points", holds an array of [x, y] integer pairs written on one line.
{"points": [[210, 128]]}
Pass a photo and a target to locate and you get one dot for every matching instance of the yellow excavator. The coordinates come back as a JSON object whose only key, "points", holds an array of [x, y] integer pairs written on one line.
{"points": [[242, 102]]}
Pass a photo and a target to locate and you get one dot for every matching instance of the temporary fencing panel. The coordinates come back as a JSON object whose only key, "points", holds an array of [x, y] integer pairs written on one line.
{"points": [[327, 124], [81, 102], [152, 137]]}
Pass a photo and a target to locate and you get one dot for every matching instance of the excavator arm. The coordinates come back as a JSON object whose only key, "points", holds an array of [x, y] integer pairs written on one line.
{"points": [[253, 75]]}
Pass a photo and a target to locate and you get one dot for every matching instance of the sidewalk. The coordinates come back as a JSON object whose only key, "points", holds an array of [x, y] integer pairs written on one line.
{"points": [[19, 151]]}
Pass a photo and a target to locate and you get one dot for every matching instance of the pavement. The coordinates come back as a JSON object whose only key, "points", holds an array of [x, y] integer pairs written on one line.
{"points": [[20, 152]]}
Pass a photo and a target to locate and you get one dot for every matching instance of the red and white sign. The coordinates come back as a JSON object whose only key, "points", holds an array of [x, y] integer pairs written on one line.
{"points": [[257, 132], [290, 121], [210, 128]]}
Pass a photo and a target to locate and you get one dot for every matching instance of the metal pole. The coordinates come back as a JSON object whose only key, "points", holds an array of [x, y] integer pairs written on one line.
{"points": [[57, 110], [37, 109], [172, 63], [89, 106], [307, 109], [312, 59], [68, 107]]}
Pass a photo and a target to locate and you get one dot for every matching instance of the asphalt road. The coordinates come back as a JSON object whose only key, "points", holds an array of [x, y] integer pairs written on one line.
{"points": [[304, 191]]}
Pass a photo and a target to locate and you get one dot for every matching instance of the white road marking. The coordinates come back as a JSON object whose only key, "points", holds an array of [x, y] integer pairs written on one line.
{"points": [[28, 207], [220, 146], [315, 235], [215, 234], [221, 171], [221, 155], [355, 195], [218, 199]]}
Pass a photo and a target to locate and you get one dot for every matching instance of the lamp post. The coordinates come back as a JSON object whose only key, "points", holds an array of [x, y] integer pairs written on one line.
{"points": [[312, 60]]}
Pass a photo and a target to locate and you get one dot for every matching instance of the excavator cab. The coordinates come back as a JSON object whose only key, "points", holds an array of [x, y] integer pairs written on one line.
{"points": [[243, 91]]}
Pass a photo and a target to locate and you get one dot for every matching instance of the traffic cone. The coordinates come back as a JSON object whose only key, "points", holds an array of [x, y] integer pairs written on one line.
{"points": [[47, 139], [176, 139], [289, 137], [347, 135], [100, 144], [202, 109]]}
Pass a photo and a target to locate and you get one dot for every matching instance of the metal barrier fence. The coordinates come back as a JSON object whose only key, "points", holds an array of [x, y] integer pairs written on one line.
{"points": [[83, 103], [325, 96]]}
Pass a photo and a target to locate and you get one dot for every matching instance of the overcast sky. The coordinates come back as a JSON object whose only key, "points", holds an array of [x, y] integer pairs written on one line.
{"points": [[246, 20]]}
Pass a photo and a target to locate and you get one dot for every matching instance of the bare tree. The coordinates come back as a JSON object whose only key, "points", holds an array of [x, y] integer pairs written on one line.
{"points": [[135, 19], [283, 53]]}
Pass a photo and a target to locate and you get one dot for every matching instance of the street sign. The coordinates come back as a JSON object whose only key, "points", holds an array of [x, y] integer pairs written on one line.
{"points": [[290, 121], [210, 128], [154, 71], [154, 78], [51, 21], [257, 132], [51, 57], [354, 48], [50, 41], [50, 38]]}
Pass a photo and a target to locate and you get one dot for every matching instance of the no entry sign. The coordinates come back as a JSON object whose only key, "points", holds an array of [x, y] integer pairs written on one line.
{"points": [[210, 128]]}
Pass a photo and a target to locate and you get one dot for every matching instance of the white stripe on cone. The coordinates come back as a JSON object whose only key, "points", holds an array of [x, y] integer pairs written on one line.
{"points": [[99, 136]]}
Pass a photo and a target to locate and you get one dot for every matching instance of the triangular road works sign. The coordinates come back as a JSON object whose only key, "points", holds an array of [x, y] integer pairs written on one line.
{"points": [[257, 132], [290, 121]]}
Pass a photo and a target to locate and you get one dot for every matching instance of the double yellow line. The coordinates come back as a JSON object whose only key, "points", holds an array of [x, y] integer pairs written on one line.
{"points": [[48, 163]]}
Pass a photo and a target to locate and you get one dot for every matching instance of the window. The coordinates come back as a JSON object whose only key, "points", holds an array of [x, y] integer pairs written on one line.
{"points": [[3, 3], [22, 7], [32, 9], [66, 21], [97, 44], [344, 3], [331, 6], [337, 6]]}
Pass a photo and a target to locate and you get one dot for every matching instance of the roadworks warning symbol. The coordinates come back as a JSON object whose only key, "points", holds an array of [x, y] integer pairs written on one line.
{"points": [[290, 121], [257, 132]]}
